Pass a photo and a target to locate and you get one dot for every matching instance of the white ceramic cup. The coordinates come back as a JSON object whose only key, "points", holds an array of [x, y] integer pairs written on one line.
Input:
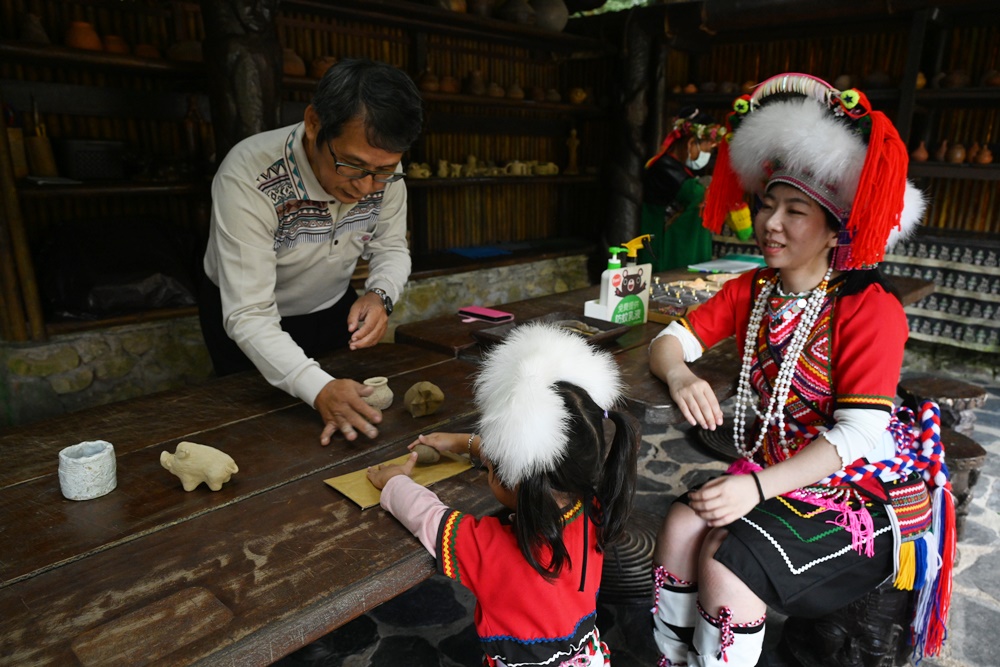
{"points": [[87, 470]]}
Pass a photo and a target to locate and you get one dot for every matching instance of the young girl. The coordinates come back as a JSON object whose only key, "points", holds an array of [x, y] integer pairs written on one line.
{"points": [[829, 498], [543, 395]]}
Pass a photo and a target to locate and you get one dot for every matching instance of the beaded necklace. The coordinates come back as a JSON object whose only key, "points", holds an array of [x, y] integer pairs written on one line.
{"points": [[775, 413]]}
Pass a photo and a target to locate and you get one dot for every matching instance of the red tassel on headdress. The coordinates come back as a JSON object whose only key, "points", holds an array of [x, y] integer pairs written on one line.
{"points": [[668, 141], [725, 192], [879, 200]]}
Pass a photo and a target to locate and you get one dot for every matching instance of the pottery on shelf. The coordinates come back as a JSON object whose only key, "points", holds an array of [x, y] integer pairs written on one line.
{"points": [[517, 11], [843, 82], [942, 151], [577, 95], [552, 95], [116, 44], [474, 83], [429, 82], [32, 30], [292, 64], [973, 152], [955, 154], [956, 79], [495, 90], [984, 156], [690, 89], [381, 398], [920, 153], [82, 35], [449, 84], [515, 92], [992, 79], [921, 81], [319, 66], [146, 51], [550, 14]]}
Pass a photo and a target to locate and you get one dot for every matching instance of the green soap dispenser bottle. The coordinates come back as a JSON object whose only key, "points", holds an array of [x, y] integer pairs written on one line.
{"points": [[614, 263]]}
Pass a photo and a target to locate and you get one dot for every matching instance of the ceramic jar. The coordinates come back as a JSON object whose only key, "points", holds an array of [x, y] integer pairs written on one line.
{"points": [[955, 154], [87, 470], [517, 11], [550, 14], [320, 65], [292, 64], [381, 398], [449, 84], [920, 153], [81, 35], [116, 44], [429, 82]]}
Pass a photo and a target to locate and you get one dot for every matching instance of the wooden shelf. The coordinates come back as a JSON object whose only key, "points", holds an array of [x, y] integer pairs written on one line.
{"points": [[112, 189], [420, 17], [413, 183], [50, 54], [973, 172]]}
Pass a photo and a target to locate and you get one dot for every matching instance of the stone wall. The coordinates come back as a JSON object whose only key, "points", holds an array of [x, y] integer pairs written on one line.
{"points": [[71, 372]]}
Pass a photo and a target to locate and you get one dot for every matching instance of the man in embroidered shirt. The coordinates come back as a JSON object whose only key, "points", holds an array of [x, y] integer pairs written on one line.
{"points": [[293, 210]]}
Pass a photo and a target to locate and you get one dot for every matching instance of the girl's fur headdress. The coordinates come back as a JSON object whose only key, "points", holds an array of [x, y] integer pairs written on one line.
{"points": [[523, 420]]}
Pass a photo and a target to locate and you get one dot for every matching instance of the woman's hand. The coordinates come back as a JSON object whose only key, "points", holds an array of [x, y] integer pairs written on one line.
{"points": [[383, 472], [457, 443], [725, 499], [695, 398]]}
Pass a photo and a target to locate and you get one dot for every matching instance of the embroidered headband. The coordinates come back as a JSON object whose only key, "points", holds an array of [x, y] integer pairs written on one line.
{"points": [[799, 130]]}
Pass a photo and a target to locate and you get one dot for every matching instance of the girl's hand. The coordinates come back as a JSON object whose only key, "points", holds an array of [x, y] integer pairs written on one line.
{"points": [[695, 398], [457, 443], [383, 472], [725, 499]]}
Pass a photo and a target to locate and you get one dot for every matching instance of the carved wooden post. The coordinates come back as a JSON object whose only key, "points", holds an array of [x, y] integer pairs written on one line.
{"points": [[629, 151], [243, 59]]}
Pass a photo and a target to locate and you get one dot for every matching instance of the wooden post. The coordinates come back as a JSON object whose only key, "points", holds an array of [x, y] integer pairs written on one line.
{"points": [[14, 253]]}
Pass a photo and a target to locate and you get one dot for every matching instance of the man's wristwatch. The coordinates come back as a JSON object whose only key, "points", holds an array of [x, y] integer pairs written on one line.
{"points": [[386, 299]]}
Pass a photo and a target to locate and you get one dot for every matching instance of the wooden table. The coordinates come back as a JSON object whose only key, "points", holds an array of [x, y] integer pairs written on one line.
{"points": [[242, 576], [648, 397]]}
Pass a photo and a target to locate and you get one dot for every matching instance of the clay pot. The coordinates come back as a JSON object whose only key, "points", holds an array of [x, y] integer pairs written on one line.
{"points": [[146, 51], [972, 152], [292, 64], [515, 92], [992, 79], [552, 95], [920, 153], [690, 89], [115, 44], [984, 156], [474, 84], [577, 95], [843, 82], [319, 66], [429, 82], [955, 154], [956, 79], [942, 151], [32, 30], [449, 84], [482, 8], [81, 35], [495, 90], [550, 14], [381, 398], [921, 81], [517, 11]]}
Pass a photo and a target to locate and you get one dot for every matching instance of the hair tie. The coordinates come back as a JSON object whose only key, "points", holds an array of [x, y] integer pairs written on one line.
{"points": [[760, 491]]}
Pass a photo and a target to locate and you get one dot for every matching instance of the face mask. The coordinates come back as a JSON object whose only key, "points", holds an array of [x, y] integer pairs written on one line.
{"points": [[699, 162]]}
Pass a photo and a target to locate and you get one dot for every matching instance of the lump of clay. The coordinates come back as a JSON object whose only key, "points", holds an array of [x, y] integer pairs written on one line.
{"points": [[426, 454], [423, 398], [194, 464]]}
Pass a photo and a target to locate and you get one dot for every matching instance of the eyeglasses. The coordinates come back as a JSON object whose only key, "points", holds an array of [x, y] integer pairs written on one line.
{"points": [[354, 173]]}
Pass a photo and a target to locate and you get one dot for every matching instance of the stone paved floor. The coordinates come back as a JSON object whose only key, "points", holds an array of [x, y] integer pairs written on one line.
{"points": [[431, 625]]}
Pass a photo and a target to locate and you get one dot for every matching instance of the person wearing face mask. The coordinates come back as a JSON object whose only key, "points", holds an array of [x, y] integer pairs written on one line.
{"points": [[673, 193], [293, 210]]}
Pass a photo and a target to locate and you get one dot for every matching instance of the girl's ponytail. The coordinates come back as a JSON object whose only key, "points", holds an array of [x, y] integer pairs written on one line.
{"points": [[617, 485]]}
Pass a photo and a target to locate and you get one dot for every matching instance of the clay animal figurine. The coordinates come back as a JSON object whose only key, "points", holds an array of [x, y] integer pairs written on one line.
{"points": [[423, 398], [194, 464]]}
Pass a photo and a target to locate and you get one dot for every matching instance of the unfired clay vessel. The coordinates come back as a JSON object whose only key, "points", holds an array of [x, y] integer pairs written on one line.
{"points": [[381, 398], [423, 398], [87, 470], [194, 464]]}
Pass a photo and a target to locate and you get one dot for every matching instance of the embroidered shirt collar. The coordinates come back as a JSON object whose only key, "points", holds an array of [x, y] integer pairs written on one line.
{"points": [[300, 171]]}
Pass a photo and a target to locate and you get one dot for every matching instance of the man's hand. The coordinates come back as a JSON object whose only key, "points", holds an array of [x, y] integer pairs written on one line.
{"points": [[342, 408], [367, 321], [383, 472]]}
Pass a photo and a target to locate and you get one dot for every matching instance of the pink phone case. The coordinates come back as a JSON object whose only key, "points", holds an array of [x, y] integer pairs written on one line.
{"points": [[487, 314]]}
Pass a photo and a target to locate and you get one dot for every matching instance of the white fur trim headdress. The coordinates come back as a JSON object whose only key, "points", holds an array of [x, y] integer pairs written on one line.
{"points": [[830, 145], [523, 421]]}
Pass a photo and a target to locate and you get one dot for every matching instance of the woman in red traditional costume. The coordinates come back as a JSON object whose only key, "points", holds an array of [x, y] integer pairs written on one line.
{"points": [[543, 395], [834, 492]]}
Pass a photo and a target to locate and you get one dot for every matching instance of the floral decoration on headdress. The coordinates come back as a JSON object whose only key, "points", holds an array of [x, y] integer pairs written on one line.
{"points": [[685, 126]]}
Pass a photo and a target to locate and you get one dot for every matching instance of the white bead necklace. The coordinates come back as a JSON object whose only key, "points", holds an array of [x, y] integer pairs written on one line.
{"points": [[775, 413]]}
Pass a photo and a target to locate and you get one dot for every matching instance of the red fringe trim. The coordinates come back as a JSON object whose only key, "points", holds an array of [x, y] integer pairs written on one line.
{"points": [[879, 201], [938, 622], [725, 193]]}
